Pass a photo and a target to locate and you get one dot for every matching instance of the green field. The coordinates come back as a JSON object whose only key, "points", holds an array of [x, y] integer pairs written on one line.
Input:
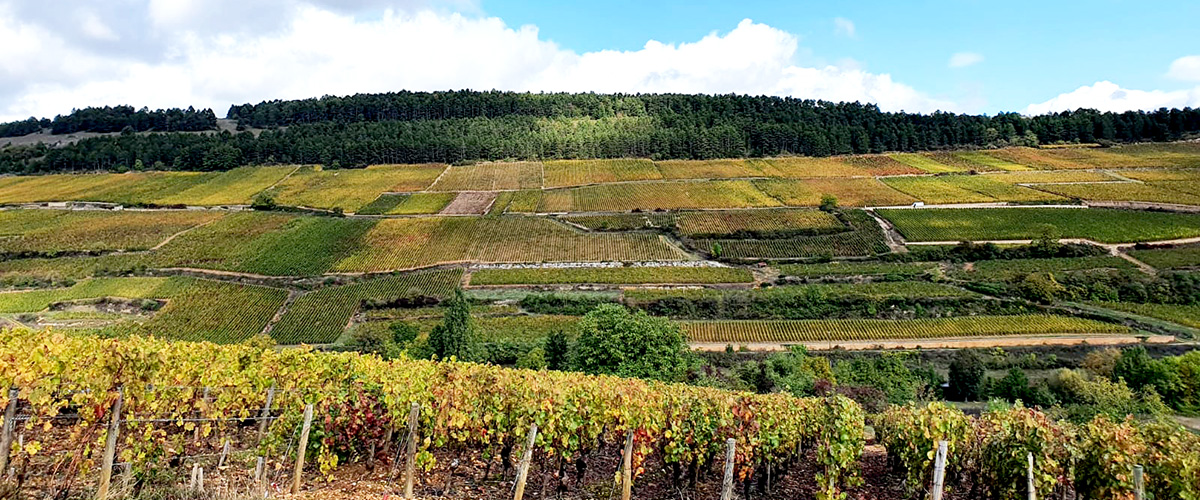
{"points": [[127, 288], [320, 316], [851, 268], [1184, 315], [1018, 268], [1103, 225], [768, 223], [876, 291], [849, 330], [215, 311], [865, 238], [611, 275], [267, 243], [1169, 258]]}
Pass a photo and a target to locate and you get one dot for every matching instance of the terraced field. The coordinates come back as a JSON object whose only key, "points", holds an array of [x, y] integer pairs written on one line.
{"points": [[131, 188], [1169, 258], [418, 242], [128, 288], [611, 275], [858, 192], [757, 222], [784, 331], [1103, 225], [491, 177], [656, 196], [566, 173], [321, 316], [950, 189], [351, 189], [48, 232], [235, 187], [863, 238]]}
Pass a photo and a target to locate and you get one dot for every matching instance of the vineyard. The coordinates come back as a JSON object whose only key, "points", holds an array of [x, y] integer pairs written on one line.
{"points": [[568, 173], [460, 406], [320, 317], [1108, 226], [839, 330], [52, 232], [351, 189], [491, 177], [925, 163], [417, 242], [965, 189], [1168, 258], [864, 238], [655, 195], [611, 275], [856, 192], [1184, 315], [856, 269], [1008, 269], [128, 188], [235, 187], [216, 312], [757, 222]]}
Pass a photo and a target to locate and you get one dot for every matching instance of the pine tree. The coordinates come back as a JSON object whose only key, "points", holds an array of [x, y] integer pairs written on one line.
{"points": [[455, 336]]}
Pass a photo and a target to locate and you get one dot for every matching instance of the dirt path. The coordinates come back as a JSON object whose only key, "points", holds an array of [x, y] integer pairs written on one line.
{"points": [[943, 343], [894, 239]]}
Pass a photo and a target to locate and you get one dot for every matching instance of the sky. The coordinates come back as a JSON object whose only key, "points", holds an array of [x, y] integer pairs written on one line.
{"points": [[969, 56]]}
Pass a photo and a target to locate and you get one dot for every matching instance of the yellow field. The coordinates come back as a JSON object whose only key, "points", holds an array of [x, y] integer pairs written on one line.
{"points": [[925, 163], [1178, 154], [656, 195], [1125, 191], [491, 177], [990, 162], [418, 242], [566, 173], [350, 189], [1044, 176], [713, 169], [1162, 175], [235, 187], [965, 189], [859, 192], [128, 188], [51, 231]]}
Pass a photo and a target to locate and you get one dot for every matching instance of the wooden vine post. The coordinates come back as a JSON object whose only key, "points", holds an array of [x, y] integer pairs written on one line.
{"points": [[1139, 483], [523, 469], [265, 415], [6, 437], [939, 471], [301, 449], [1029, 476], [410, 465], [110, 447], [727, 483], [627, 468]]}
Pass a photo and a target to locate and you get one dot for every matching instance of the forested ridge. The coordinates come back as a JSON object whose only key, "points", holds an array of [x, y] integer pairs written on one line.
{"points": [[116, 119], [415, 127]]}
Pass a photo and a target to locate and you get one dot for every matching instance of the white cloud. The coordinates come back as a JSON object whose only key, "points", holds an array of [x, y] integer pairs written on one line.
{"points": [[1108, 96], [964, 59], [1185, 68], [843, 26], [326, 50]]}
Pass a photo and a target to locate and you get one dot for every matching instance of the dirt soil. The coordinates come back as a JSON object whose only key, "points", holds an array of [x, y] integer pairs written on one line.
{"points": [[472, 203]]}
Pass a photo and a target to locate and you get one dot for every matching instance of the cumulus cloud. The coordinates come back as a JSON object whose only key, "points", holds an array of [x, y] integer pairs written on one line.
{"points": [[1185, 68], [1108, 96], [351, 46], [843, 26], [964, 59]]}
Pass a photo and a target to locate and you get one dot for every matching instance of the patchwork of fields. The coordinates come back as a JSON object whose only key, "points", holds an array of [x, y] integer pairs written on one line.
{"points": [[631, 228]]}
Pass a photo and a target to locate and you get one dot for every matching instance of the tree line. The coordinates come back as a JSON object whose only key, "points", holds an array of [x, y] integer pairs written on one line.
{"points": [[450, 127], [116, 119]]}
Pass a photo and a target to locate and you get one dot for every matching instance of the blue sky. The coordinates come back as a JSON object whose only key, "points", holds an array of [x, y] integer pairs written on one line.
{"points": [[1032, 50], [925, 55]]}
